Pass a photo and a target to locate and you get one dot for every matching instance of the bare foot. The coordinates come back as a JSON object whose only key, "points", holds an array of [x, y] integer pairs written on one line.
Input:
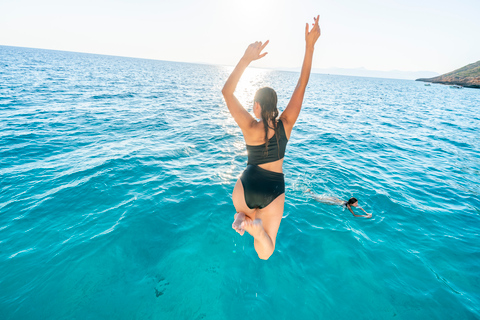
{"points": [[239, 222], [254, 227]]}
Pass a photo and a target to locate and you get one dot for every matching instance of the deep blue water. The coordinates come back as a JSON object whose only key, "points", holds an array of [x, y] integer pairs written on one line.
{"points": [[115, 195]]}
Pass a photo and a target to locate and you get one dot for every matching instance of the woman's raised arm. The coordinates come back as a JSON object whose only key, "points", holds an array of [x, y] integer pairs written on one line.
{"points": [[243, 118], [291, 112]]}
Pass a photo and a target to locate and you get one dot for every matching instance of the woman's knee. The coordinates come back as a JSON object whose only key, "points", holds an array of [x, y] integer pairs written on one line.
{"points": [[265, 255]]}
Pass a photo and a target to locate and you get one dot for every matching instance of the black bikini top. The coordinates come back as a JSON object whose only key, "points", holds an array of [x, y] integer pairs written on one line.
{"points": [[258, 155]]}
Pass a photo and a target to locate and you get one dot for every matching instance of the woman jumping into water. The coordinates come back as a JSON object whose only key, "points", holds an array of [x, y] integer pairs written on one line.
{"points": [[259, 194], [352, 202]]}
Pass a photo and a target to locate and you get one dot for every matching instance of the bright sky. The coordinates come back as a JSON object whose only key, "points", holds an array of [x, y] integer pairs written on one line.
{"points": [[408, 35]]}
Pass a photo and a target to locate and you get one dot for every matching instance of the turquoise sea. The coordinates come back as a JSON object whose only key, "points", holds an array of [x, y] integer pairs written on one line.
{"points": [[115, 195]]}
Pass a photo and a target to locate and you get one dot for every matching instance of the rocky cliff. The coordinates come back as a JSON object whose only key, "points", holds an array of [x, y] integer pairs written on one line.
{"points": [[468, 76]]}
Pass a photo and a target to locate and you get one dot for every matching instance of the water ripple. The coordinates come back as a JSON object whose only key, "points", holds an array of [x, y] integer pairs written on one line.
{"points": [[115, 184]]}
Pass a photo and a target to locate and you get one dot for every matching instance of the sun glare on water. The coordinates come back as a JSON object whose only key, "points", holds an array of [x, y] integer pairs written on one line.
{"points": [[252, 80]]}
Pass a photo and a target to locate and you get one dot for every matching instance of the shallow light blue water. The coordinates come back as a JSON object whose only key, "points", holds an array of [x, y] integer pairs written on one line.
{"points": [[115, 184]]}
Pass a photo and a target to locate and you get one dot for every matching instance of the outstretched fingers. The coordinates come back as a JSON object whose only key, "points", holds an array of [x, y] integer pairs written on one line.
{"points": [[314, 33], [264, 45], [254, 50], [316, 25], [261, 49], [262, 55]]}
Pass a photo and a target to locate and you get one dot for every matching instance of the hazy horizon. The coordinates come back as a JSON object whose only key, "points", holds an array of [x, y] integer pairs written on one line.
{"points": [[354, 72]]}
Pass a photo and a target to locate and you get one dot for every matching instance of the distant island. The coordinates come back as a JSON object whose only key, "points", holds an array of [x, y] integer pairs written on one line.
{"points": [[362, 72], [468, 76]]}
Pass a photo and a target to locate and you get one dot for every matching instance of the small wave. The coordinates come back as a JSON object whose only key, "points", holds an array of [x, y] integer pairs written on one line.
{"points": [[21, 252], [114, 96]]}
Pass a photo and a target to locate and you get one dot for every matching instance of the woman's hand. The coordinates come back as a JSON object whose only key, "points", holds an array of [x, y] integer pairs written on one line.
{"points": [[312, 36], [254, 51], [368, 216]]}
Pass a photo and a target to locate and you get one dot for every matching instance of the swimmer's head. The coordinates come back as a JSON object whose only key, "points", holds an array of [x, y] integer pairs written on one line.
{"points": [[352, 202], [265, 104]]}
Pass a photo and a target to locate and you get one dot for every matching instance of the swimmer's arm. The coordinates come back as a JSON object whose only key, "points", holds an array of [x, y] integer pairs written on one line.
{"points": [[349, 208], [291, 112], [368, 215], [241, 116]]}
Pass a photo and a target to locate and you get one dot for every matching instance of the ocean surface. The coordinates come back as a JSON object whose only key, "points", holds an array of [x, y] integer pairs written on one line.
{"points": [[115, 195]]}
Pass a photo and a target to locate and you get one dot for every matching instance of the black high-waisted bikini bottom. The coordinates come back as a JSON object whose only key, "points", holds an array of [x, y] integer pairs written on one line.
{"points": [[261, 186]]}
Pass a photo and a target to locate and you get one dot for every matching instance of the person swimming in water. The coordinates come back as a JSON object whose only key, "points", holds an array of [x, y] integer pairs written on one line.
{"points": [[259, 194], [352, 202]]}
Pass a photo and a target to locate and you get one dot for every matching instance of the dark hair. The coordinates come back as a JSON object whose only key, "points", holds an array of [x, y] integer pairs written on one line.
{"points": [[267, 98], [351, 201]]}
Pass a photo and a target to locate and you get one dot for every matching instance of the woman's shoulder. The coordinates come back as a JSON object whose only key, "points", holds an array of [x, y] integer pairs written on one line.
{"points": [[255, 134], [287, 127]]}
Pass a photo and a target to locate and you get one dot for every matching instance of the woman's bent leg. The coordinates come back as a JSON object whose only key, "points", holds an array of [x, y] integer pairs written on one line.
{"points": [[243, 212], [265, 227]]}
